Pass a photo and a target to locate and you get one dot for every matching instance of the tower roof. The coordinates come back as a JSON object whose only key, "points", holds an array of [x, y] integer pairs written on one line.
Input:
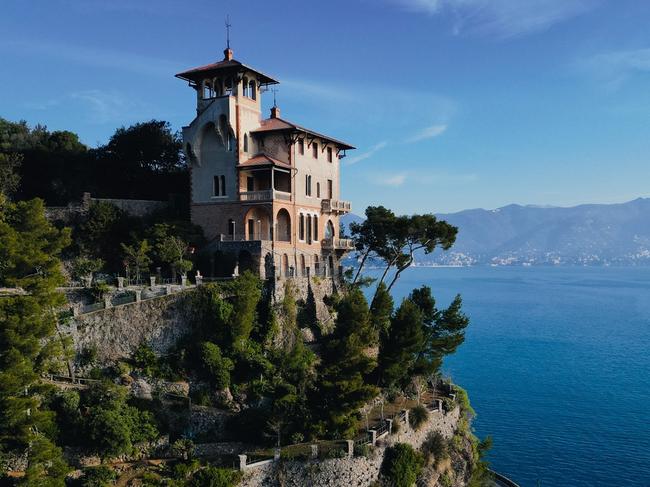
{"points": [[226, 66]]}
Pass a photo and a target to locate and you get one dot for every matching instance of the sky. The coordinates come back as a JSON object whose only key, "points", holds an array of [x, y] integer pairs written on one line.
{"points": [[452, 104]]}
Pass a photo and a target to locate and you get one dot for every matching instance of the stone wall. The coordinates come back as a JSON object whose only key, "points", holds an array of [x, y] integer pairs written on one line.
{"points": [[347, 472], [117, 332], [69, 214], [320, 286]]}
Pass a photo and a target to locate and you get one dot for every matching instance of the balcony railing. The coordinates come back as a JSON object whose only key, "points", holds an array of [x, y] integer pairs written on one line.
{"points": [[337, 243], [242, 238], [279, 237], [336, 206], [265, 195]]}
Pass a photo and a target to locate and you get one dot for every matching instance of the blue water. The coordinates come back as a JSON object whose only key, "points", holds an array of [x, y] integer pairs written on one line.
{"points": [[557, 365]]}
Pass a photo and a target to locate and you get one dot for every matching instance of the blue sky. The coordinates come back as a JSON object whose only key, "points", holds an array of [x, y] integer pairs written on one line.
{"points": [[452, 104]]}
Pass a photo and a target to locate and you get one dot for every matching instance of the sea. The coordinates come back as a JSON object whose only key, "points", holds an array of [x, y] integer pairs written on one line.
{"points": [[556, 361]]}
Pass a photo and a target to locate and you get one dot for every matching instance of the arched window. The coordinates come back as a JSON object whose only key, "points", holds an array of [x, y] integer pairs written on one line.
{"points": [[283, 224], [253, 90], [207, 90], [316, 265], [285, 265], [301, 227], [223, 185], [317, 190], [329, 230], [245, 87], [217, 86], [309, 228], [245, 142], [314, 150], [315, 228], [216, 186], [303, 267], [231, 228]]}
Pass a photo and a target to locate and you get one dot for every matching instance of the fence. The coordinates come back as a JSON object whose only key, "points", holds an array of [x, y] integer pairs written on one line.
{"points": [[89, 308], [128, 298]]}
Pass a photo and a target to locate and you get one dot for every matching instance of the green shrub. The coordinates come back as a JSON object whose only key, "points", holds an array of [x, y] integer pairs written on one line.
{"points": [[396, 427], [402, 465], [215, 477], [183, 448], [97, 477], [365, 451], [87, 356], [436, 446], [145, 358], [463, 401], [445, 480], [418, 416], [216, 367]]}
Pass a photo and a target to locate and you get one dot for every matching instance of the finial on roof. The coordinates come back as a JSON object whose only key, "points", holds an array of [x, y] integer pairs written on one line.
{"points": [[228, 26], [227, 53], [275, 110], [274, 90]]}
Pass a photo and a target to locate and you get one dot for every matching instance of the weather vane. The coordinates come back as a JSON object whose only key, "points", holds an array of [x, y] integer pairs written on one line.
{"points": [[274, 90], [228, 26]]}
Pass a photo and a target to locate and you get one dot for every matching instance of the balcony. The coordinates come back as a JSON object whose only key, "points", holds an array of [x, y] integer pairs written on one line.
{"points": [[264, 195], [337, 243], [336, 206]]}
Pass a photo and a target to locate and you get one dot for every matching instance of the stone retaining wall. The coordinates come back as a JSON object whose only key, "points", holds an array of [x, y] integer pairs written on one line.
{"points": [[347, 472], [117, 332]]}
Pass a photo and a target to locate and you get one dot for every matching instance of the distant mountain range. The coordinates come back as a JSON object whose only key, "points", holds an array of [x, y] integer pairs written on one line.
{"points": [[607, 234]]}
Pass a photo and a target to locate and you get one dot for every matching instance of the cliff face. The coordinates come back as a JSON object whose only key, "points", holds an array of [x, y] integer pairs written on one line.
{"points": [[116, 333]]}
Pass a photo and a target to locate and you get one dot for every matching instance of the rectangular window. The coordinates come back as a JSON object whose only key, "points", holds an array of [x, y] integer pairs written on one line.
{"points": [[216, 191], [223, 185], [329, 154], [314, 149], [317, 190], [301, 227], [308, 185], [250, 183], [329, 189], [316, 228], [301, 147]]}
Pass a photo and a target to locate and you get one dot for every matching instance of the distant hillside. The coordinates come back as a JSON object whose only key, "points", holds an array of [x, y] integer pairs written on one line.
{"points": [[616, 234]]}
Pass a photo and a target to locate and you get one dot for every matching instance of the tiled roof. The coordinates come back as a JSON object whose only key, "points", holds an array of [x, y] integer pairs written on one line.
{"points": [[263, 160], [196, 74], [272, 124]]}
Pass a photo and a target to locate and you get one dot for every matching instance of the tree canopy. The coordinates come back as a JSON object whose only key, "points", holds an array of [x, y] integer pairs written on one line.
{"points": [[143, 161]]}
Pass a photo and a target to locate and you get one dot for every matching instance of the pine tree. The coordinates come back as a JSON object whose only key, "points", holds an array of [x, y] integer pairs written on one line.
{"points": [[444, 331], [381, 311], [29, 249], [398, 352], [341, 389]]}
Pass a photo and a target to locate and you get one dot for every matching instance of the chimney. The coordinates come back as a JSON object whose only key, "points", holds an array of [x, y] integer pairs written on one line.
{"points": [[227, 54], [275, 112]]}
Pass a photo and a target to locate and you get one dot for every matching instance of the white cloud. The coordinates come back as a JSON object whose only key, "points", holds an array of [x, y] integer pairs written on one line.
{"points": [[428, 133], [615, 67], [393, 180], [97, 106], [94, 57], [502, 18], [365, 155]]}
